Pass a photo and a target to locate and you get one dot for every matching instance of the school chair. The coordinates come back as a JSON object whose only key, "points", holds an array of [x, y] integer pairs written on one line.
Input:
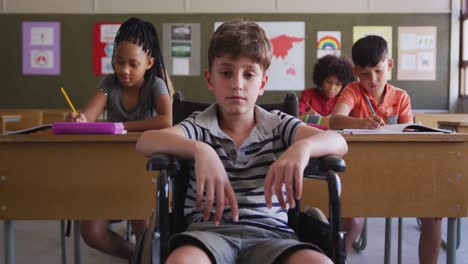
{"points": [[50, 116], [5, 119], [173, 183], [25, 118]]}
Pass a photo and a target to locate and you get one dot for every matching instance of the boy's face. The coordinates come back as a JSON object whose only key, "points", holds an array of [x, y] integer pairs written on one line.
{"points": [[236, 84], [374, 79], [331, 86]]}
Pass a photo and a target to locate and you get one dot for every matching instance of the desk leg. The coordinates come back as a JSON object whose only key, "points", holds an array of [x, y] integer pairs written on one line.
{"points": [[9, 241], [388, 240], [400, 240], [76, 233], [451, 241], [62, 242]]}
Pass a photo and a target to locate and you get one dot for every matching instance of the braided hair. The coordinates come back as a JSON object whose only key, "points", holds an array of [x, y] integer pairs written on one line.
{"points": [[143, 34]]}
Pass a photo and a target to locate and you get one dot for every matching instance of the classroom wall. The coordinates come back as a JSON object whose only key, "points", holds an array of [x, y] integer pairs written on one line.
{"points": [[77, 18], [226, 6]]}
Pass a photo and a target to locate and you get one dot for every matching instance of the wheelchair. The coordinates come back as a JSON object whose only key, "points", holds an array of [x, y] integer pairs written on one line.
{"points": [[172, 185]]}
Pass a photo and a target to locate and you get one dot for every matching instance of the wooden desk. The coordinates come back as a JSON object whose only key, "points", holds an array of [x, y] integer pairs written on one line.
{"points": [[431, 119], [74, 177], [395, 175], [412, 175], [457, 126], [89, 177]]}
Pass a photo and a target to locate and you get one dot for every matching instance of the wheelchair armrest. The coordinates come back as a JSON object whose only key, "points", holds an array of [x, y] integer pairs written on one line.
{"points": [[319, 166], [162, 161]]}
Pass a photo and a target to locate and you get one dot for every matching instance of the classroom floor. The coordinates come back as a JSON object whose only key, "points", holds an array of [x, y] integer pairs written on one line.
{"points": [[38, 242]]}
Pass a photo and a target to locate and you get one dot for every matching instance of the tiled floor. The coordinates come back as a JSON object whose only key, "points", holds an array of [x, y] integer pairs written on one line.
{"points": [[38, 242]]}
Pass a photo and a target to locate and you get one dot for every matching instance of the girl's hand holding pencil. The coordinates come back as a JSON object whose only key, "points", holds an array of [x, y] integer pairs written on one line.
{"points": [[73, 116]]}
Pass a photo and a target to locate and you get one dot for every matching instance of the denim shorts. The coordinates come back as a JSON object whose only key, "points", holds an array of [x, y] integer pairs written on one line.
{"points": [[236, 243]]}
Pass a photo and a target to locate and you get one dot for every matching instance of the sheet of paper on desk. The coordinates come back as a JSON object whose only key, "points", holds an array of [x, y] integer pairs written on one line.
{"points": [[88, 128], [399, 129]]}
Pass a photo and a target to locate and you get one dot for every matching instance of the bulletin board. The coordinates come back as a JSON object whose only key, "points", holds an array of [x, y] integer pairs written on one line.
{"points": [[76, 73]]}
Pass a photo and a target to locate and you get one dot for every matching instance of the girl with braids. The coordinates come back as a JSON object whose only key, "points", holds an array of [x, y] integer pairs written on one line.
{"points": [[137, 95]]}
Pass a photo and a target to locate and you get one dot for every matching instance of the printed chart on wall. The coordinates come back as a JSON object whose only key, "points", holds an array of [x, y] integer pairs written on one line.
{"points": [[328, 43], [384, 32], [103, 47], [41, 48], [287, 66], [181, 49], [417, 53]]}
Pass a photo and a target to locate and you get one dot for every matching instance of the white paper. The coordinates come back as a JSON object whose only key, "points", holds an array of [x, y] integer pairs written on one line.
{"points": [[180, 66], [408, 62], [43, 59], [42, 36], [321, 53], [108, 32], [407, 42], [425, 61], [106, 65], [425, 42]]}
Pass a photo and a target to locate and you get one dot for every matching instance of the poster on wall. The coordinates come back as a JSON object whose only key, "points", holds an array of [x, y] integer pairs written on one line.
{"points": [[328, 43], [41, 48], [382, 31], [287, 67], [417, 53], [103, 47], [181, 49]]}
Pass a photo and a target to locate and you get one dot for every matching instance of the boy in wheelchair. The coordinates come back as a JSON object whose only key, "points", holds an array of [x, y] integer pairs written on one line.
{"points": [[249, 162]]}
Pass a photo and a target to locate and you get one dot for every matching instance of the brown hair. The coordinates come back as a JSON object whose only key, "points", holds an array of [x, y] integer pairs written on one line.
{"points": [[238, 38]]}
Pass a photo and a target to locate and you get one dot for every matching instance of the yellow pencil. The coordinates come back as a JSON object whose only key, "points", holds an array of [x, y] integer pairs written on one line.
{"points": [[68, 100]]}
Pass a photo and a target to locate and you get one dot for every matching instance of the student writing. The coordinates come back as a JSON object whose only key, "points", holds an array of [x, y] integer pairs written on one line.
{"points": [[370, 103], [137, 95], [330, 75]]}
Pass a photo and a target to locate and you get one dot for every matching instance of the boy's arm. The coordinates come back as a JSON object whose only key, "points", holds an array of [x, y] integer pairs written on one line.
{"points": [[162, 120], [339, 119], [211, 176], [288, 170]]}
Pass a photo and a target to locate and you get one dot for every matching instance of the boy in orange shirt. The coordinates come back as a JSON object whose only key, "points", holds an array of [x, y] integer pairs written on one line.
{"points": [[369, 104]]}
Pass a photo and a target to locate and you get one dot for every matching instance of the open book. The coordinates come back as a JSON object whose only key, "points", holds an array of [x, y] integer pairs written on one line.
{"points": [[397, 129], [29, 130]]}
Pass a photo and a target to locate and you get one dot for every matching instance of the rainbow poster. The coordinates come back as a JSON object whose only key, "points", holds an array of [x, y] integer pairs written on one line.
{"points": [[328, 42]]}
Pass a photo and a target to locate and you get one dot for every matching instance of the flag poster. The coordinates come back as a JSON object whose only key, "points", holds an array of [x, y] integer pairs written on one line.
{"points": [[103, 47], [41, 48]]}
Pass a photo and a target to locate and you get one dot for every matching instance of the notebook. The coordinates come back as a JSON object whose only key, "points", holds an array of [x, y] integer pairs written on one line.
{"points": [[397, 129], [88, 128]]}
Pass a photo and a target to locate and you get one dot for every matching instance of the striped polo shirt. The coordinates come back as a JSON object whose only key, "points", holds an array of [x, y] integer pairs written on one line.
{"points": [[246, 165]]}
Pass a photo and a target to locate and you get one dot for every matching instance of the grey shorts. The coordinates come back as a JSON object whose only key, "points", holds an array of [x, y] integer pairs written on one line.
{"points": [[235, 243]]}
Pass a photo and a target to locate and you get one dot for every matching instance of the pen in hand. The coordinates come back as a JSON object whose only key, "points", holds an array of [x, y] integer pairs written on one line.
{"points": [[374, 116], [370, 105]]}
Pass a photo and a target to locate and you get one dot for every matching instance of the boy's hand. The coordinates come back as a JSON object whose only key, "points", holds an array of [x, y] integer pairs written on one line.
{"points": [[288, 170], [372, 122], [213, 181], [72, 117]]}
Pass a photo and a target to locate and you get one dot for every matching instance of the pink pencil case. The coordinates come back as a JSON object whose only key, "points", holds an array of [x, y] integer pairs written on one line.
{"points": [[88, 128]]}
